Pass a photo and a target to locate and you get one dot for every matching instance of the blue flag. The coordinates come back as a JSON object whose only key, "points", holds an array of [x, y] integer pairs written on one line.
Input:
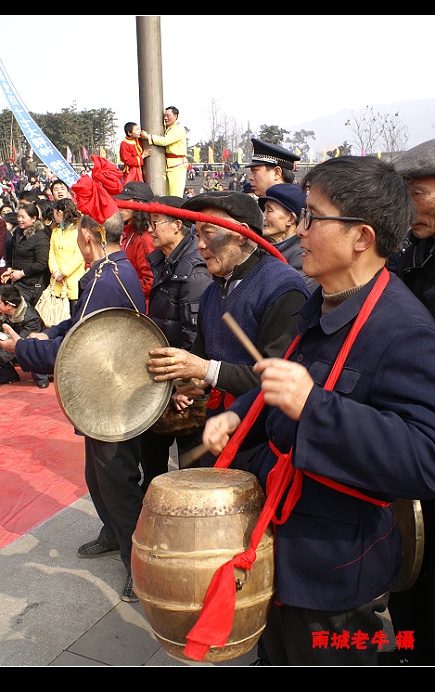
{"points": [[40, 144]]}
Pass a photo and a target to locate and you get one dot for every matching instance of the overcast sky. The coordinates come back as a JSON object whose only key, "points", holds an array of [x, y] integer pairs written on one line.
{"points": [[260, 69]]}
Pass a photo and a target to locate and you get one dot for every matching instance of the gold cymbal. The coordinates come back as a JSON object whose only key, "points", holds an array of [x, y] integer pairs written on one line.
{"points": [[101, 377]]}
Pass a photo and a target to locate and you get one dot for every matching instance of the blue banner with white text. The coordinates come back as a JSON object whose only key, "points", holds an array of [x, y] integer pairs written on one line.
{"points": [[40, 144]]}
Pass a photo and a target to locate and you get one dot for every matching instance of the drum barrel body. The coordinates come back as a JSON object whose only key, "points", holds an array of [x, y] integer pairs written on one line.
{"points": [[192, 522]]}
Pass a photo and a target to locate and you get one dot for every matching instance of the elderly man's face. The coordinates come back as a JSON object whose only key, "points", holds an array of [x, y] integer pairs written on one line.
{"points": [[423, 193], [221, 249]]}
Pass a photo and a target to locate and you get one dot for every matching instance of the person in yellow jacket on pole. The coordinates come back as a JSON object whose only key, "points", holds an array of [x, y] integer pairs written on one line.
{"points": [[175, 143]]}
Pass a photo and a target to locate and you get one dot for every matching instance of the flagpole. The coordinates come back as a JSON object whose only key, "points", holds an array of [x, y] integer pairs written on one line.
{"points": [[12, 136], [149, 58]]}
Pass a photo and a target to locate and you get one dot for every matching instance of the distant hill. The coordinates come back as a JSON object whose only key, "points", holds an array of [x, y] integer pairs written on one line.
{"points": [[330, 131]]}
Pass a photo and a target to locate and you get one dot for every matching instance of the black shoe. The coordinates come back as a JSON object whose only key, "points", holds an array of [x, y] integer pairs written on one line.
{"points": [[43, 384], [96, 549], [128, 594]]}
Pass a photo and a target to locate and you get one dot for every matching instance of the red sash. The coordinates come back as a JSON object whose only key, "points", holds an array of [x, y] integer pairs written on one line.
{"points": [[214, 624]]}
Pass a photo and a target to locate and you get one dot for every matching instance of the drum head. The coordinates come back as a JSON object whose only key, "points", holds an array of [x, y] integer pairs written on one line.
{"points": [[101, 376]]}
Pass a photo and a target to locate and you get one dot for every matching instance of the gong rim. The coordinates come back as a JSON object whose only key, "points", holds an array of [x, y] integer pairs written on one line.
{"points": [[101, 380], [409, 517]]}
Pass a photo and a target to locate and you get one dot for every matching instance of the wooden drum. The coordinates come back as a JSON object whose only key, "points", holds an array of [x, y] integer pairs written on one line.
{"points": [[192, 522]]}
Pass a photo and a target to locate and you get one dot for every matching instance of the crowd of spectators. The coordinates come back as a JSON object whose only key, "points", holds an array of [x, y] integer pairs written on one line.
{"points": [[38, 237], [26, 182], [215, 178]]}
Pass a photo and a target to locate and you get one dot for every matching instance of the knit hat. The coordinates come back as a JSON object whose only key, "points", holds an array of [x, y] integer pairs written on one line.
{"points": [[289, 196]]}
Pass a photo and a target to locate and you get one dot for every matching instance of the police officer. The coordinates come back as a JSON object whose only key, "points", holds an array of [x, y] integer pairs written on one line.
{"points": [[270, 165]]}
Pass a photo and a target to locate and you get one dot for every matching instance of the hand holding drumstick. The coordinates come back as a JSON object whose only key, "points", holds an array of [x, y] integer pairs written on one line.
{"points": [[286, 385]]}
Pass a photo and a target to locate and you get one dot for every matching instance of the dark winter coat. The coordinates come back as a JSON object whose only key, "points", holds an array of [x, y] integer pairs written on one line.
{"points": [[179, 282], [29, 252], [375, 432]]}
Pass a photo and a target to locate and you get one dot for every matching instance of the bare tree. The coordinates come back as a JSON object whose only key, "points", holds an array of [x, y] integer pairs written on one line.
{"points": [[366, 128], [216, 123], [394, 134], [375, 132]]}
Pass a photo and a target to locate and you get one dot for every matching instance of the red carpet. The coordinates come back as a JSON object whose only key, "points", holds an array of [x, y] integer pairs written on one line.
{"points": [[41, 459]]}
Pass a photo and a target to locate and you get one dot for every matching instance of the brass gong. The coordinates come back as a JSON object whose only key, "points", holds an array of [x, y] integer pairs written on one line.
{"points": [[409, 517], [102, 382]]}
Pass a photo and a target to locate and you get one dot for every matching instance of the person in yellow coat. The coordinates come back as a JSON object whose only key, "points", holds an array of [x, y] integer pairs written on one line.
{"points": [[175, 142], [65, 261]]}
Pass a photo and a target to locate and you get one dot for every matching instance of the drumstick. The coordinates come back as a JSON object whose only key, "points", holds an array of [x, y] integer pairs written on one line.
{"points": [[196, 453], [189, 457], [242, 337]]}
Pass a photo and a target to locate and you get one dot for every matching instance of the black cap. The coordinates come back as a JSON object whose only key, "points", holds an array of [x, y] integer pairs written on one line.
{"points": [[238, 205], [137, 191], [417, 162], [271, 154]]}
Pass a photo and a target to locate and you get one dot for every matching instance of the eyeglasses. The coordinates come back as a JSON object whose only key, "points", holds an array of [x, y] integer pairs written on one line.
{"points": [[153, 224], [307, 218]]}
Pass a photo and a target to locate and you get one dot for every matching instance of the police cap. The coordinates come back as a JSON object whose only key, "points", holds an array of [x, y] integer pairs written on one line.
{"points": [[271, 154]]}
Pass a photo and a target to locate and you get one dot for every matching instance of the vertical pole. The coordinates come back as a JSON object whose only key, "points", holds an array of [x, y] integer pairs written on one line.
{"points": [[149, 60]]}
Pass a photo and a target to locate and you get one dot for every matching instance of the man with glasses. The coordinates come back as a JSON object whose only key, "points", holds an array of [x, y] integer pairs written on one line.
{"points": [[348, 421], [180, 277]]}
